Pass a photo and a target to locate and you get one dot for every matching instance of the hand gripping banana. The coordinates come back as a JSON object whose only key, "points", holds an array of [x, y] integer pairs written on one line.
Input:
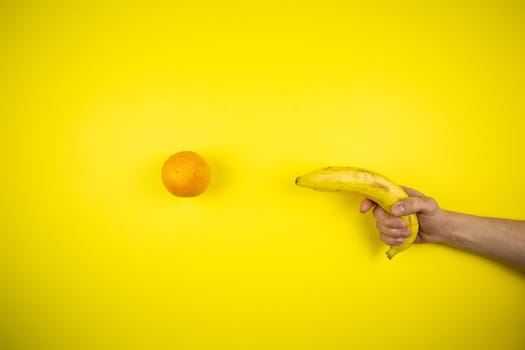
{"points": [[366, 183]]}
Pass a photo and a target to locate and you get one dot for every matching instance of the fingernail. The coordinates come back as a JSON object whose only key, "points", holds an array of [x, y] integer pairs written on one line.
{"points": [[398, 209], [399, 240], [405, 233]]}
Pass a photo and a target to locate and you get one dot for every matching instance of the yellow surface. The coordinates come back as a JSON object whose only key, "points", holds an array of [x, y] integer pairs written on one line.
{"points": [[96, 254]]}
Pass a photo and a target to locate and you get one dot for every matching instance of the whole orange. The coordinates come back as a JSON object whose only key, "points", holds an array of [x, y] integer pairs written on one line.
{"points": [[186, 174]]}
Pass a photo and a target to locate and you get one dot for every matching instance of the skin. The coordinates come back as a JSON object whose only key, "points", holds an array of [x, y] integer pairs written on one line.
{"points": [[499, 239]]}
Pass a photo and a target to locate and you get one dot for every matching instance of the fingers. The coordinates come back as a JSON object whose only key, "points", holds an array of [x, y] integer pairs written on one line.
{"points": [[385, 220], [391, 240], [393, 230]]}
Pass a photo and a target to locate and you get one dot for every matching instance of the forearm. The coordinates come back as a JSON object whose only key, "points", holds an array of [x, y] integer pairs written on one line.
{"points": [[500, 239]]}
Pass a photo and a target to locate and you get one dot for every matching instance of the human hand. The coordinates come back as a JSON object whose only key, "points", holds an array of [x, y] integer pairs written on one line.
{"points": [[393, 230]]}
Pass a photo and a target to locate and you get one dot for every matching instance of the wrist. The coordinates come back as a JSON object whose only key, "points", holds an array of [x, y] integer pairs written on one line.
{"points": [[448, 235]]}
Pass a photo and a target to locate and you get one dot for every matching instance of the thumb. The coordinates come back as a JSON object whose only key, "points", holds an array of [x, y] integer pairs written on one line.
{"points": [[422, 205]]}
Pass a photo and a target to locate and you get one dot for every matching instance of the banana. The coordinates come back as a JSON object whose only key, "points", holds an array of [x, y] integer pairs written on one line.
{"points": [[366, 183]]}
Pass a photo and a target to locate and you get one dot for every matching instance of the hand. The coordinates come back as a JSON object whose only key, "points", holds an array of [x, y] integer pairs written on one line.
{"points": [[432, 219]]}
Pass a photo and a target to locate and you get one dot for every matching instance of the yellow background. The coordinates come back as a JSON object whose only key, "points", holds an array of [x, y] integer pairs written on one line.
{"points": [[96, 254]]}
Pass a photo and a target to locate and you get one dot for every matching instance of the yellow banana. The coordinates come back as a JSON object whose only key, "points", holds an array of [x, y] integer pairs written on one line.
{"points": [[366, 183]]}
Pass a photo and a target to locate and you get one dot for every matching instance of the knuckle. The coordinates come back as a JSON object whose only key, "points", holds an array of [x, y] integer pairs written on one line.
{"points": [[393, 222], [392, 233], [431, 202], [412, 203]]}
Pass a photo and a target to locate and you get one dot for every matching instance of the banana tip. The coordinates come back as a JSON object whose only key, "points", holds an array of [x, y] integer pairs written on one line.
{"points": [[390, 253]]}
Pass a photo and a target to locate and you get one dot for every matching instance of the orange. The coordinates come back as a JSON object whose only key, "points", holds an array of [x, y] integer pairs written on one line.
{"points": [[186, 174]]}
